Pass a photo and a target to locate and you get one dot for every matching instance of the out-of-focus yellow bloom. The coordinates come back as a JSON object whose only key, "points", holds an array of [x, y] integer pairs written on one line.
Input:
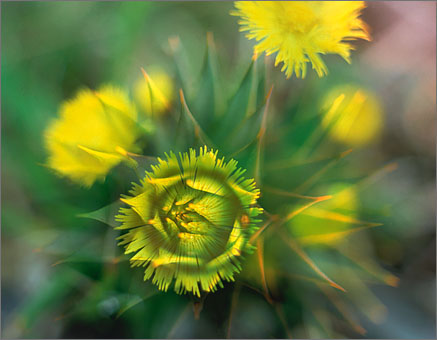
{"points": [[344, 197], [91, 134], [329, 221], [356, 118], [299, 31], [153, 92]]}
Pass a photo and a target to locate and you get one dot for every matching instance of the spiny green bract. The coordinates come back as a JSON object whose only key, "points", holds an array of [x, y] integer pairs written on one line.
{"points": [[190, 219]]}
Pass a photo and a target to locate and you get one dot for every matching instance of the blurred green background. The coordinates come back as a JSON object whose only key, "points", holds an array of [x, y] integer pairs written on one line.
{"points": [[52, 49]]}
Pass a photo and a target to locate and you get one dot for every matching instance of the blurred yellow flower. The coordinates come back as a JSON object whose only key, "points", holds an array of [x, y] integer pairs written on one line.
{"points": [[329, 221], [356, 119], [299, 31], [153, 92], [344, 197], [91, 134]]}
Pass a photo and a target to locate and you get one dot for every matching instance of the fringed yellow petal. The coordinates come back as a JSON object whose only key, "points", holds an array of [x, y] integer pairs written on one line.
{"points": [[300, 31]]}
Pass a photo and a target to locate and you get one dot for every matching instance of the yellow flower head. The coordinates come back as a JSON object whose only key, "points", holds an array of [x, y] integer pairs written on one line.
{"points": [[190, 220], [354, 117], [299, 31], [93, 129], [153, 92]]}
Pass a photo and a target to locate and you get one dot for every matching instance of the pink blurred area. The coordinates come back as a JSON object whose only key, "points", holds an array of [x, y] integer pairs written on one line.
{"points": [[404, 45]]}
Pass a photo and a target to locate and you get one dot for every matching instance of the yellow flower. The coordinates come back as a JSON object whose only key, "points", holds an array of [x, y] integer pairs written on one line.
{"points": [[356, 119], [330, 221], [153, 92], [299, 31], [190, 221], [91, 133]]}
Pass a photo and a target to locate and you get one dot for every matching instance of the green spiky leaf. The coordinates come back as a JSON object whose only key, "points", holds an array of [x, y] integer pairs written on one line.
{"points": [[208, 101]]}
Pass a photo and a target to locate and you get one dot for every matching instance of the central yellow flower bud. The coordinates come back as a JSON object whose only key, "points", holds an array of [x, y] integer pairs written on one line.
{"points": [[190, 220]]}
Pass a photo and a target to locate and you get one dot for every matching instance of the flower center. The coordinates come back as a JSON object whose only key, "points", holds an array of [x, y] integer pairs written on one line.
{"points": [[194, 217], [187, 220], [191, 216]]}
